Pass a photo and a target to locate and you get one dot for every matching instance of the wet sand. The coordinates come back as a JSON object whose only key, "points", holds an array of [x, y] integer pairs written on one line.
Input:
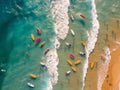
{"points": [[113, 76], [109, 34]]}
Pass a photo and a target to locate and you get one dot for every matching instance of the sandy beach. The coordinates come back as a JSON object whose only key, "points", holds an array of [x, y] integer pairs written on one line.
{"points": [[113, 76], [109, 37]]}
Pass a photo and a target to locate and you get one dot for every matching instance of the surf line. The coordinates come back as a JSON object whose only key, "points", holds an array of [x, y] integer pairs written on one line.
{"points": [[103, 68], [61, 21], [92, 38]]}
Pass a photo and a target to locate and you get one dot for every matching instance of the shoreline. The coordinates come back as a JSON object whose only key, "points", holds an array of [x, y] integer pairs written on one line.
{"points": [[113, 76], [106, 39], [92, 38], [109, 36]]}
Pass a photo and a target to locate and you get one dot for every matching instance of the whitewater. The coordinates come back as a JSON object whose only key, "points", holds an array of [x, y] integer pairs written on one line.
{"points": [[60, 16], [103, 68], [92, 38]]}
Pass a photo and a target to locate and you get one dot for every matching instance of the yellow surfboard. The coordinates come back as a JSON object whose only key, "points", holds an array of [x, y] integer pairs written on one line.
{"points": [[92, 64], [42, 44], [33, 76], [74, 68], [69, 62], [84, 43], [32, 37], [77, 62]]}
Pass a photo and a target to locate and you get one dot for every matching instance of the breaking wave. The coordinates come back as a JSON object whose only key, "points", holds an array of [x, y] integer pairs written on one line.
{"points": [[92, 38], [60, 16], [103, 68]]}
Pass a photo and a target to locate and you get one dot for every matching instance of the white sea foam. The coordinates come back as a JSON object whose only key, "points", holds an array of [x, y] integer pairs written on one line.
{"points": [[52, 62], [92, 38], [60, 16], [49, 85], [103, 68]]}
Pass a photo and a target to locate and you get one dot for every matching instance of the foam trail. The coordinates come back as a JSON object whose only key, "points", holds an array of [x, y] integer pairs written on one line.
{"points": [[52, 62], [92, 38], [60, 16], [103, 68]]}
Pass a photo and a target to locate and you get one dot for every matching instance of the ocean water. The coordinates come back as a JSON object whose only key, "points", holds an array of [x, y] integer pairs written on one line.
{"points": [[19, 55]]}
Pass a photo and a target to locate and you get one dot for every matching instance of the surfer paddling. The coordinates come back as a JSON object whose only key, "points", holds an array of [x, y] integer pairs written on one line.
{"points": [[38, 31]]}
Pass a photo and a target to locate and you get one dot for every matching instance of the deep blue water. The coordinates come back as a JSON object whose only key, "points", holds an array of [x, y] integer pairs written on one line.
{"points": [[19, 55]]}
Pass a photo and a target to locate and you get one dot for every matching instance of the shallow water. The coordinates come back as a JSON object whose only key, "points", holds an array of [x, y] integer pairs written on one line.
{"points": [[80, 27]]}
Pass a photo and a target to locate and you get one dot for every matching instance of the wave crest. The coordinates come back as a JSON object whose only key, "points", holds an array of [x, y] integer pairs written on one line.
{"points": [[92, 38], [61, 21]]}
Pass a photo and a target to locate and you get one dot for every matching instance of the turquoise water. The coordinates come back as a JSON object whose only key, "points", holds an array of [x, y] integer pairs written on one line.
{"points": [[19, 55]]}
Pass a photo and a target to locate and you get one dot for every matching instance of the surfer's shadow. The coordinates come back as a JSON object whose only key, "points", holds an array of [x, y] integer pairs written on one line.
{"points": [[82, 22]]}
